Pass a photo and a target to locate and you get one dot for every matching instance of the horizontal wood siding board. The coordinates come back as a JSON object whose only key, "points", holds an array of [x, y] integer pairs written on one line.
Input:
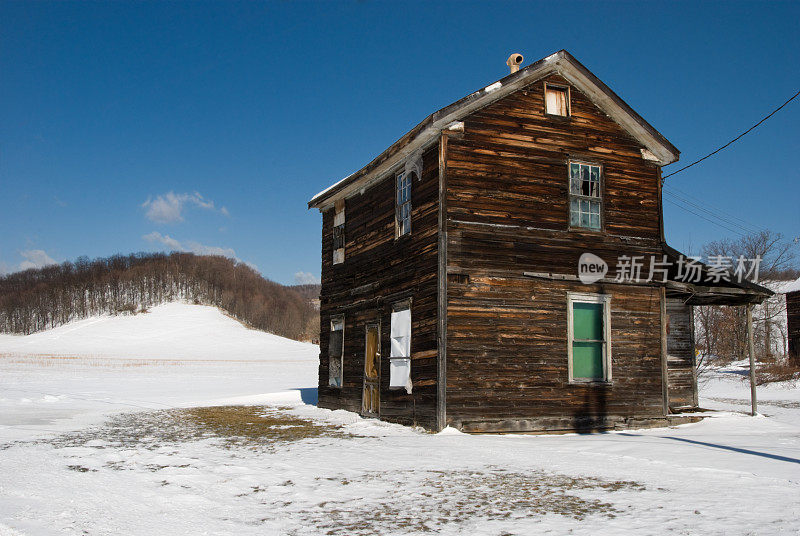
{"points": [[378, 270], [507, 213]]}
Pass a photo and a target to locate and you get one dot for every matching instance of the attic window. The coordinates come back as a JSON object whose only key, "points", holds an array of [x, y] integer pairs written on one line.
{"points": [[338, 232], [556, 100]]}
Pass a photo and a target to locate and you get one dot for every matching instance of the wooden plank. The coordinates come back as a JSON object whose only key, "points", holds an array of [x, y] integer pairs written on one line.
{"points": [[752, 355], [664, 356], [441, 377]]}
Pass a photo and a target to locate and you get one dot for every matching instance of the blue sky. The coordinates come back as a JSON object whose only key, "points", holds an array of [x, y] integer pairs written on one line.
{"points": [[207, 126]]}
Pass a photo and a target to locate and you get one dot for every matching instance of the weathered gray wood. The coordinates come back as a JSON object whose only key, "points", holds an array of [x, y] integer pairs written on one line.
{"points": [[680, 355]]}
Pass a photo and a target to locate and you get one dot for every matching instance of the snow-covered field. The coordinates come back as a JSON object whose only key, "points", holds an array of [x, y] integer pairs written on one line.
{"points": [[104, 430]]}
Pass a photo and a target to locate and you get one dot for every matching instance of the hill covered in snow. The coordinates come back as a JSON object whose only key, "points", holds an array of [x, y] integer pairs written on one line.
{"points": [[39, 299], [171, 331]]}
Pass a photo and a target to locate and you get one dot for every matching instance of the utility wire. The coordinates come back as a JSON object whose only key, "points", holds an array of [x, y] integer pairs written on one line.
{"points": [[720, 216], [684, 196], [715, 222], [733, 140]]}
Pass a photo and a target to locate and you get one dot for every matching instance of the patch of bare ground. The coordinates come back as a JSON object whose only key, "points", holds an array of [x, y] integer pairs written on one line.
{"points": [[425, 501], [250, 427]]}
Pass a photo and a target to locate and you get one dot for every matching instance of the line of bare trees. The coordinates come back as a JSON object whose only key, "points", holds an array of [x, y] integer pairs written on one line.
{"points": [[720, 331], [37, 299]]}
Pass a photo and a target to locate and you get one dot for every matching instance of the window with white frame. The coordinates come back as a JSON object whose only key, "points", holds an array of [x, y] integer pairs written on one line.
{"points": [[400, 357], [338, 232], [556, 100], [585, 197], [589, 337], [403, 203], [336, 352]]}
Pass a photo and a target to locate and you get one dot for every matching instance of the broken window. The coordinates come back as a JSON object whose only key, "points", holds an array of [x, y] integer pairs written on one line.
{"points": [[403, 204], [336, 352], [556, 100], [400, 358], [589, 337], [338, 232], [585, 196]]}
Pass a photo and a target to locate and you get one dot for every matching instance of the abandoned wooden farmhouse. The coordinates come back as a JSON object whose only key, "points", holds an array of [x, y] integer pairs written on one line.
{"points": [[451, 291]]}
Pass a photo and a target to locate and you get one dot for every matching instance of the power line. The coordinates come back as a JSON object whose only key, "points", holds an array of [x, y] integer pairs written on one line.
{"points": [[733, 140], [709, 207], [719, 215], [715, 222]]}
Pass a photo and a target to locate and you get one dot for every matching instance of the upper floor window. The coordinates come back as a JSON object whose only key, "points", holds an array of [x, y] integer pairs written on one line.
{"points": [[403, 203], [586, 200], [338, 232], [556, 100]]}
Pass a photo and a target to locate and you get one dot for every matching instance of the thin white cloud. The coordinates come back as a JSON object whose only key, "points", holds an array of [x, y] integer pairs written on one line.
{"points": [[169, 207], [35, 258], [305, 278], [189, 246]]}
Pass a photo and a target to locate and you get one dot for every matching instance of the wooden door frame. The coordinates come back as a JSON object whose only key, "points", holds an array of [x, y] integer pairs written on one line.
{"points": [[377, 325]]}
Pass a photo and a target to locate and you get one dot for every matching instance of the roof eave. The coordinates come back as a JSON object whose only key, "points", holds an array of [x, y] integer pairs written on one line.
{"points": [[426, 131]]}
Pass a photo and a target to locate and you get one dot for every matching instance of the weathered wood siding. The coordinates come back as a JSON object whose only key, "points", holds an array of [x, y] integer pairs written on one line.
{"points": [[378, 271], [508, 213], [793, 325], [681, 358]]}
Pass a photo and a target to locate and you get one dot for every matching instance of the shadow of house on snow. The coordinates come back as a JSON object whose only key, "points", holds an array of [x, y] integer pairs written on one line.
{"points": [[592, 415], [309, 395]]}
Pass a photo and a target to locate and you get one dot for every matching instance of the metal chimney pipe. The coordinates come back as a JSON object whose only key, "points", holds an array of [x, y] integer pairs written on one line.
{"points": [[514, 61]]}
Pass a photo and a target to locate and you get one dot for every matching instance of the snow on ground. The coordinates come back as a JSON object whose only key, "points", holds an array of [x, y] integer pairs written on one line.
{"points": [[110, 454], [175, 355]]}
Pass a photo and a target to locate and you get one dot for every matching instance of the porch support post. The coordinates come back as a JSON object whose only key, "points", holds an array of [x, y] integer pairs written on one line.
{"points": [[664, 367], [751, 351]]}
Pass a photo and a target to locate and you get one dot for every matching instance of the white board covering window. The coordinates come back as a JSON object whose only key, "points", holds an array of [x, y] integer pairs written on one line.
{"points": [[556, 100], [400, 358]]}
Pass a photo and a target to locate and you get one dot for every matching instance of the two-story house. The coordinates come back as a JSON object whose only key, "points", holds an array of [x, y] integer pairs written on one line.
{"points": [[451, 291]]}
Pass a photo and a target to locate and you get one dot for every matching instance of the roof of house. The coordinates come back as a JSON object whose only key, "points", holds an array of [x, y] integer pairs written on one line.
{"points": [[561, 63]]}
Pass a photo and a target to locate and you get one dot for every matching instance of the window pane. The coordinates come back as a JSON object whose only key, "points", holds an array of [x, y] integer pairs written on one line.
{"points": [[574, 212], [587, 360], [335, 344], [335, 372], [587, 321], [574, 170], [594, 221], [575, 184]]}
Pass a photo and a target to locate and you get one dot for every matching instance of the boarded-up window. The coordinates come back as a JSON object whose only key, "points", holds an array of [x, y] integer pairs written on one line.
{"points": [[338, 232], [589, 333], [336, 353], [585, 204], [403, 203], [400, 359], [556, 100]]}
